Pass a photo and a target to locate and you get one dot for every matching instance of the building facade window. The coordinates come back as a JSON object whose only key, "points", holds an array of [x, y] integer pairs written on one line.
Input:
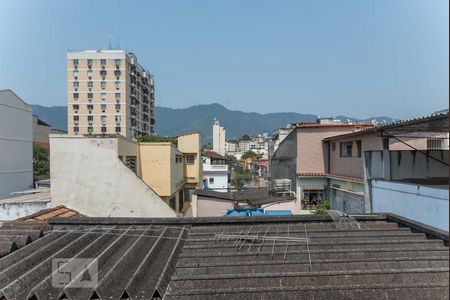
{"points": [[76, 118], [117, 62], [76, 84], [103, 84], [103, 119], [103, 129], [211, 180], [90, 84], [75, 61], [190, 159], [89, 73], [117, 83], [90, 95], [103, 107], [103, 62], [89, 62], [75, 96], [118, 129], [75, 107], [346, 149], [117, 106], [75, 73], [76, 129], [90, 118], [117, 95], [103, 96]]}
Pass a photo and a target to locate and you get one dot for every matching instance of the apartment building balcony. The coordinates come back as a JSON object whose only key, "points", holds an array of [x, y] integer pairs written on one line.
{"points": [[215, 168]]}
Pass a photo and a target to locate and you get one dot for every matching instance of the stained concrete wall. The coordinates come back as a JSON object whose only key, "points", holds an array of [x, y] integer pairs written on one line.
{"points": [[209, 207], [191, 144], [16, 144], [428, 205], [87, 176], [12, 211], [283, 164]]}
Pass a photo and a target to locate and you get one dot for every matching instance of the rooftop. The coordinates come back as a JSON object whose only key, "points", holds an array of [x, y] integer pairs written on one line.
{"points": [[238, 257], [212, 154]]}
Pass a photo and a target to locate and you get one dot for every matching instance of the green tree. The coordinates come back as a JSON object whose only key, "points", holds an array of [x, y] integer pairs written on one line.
{"points": [[41, 162], [245, 137], [249, 154], [231, 160], [323, 207]]}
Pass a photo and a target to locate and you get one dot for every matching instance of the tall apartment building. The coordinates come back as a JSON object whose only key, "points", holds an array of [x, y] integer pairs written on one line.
{"points": [[108, 92], [218, 138]]}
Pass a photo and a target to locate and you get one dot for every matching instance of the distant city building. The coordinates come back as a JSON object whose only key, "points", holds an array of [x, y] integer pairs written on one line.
{"points": [[108, 92], [215, 171], [16, 144], [218, 138], [231, 147]]}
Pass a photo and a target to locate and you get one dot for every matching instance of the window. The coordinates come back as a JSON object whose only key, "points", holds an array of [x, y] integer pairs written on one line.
{"points": [[89, 73], [76, 129], [211, 180], [103, 96], [117, 61], [333, 146], [90, 84], [75, 61], [358, 147], [117, 95], [89, 62], [117, 106], [75, 107], [90, 107], [118, 129], [103, 119], [103, 84], [433, 143], [103, 62], [117, 85], [103, 129], [117, 118], [190, 159], [76, 118], [90, 118], [76, 84], [75, 73], [103, 107], [90, 130], [103, 73], [90, 95], [346, 149], [75, 96]]}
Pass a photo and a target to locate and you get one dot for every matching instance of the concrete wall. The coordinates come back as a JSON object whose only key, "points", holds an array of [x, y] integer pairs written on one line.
{"points": [[293, 206], [16, 144], [283, 164], [423, 204], [400, 165], [209, 207], [40, 133], [352, 166], [191, 144], [157, 166], [12, 211], [310, 149], [87, 176]]}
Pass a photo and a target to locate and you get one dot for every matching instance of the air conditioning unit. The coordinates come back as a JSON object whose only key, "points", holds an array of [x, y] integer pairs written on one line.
{"points": [[76, 111], [90, 111], [90, 89], [76, 122], [90, 122]]}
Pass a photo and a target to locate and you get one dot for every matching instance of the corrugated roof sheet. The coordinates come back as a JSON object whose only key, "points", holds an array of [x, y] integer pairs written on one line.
{"points": [[234, 258]]}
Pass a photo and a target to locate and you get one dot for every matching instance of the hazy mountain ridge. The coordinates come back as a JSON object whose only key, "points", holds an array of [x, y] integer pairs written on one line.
{"points": [[172, 121]]}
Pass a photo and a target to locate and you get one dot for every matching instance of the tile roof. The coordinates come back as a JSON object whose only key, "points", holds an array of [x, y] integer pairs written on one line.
{"points": [[240, 257], [212, 154], [57, 211]]}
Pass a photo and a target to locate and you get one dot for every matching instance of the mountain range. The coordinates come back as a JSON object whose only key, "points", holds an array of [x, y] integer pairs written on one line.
{"points": [[172, 121]]}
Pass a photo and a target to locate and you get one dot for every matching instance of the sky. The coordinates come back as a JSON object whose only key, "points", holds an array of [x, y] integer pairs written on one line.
{"points": [[359, 58]]}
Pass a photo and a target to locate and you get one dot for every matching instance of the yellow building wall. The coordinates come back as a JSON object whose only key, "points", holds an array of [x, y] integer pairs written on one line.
{"points": [[127, 147], [191, 143]]}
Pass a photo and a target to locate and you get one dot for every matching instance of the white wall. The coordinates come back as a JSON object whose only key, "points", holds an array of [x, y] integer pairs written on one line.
{"points": [[293, 206], [427, 205], [16, 144], [87, 176], [12, 211]]}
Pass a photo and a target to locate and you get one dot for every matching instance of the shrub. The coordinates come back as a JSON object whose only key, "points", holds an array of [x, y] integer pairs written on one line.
{"points": [[323, 207]]}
